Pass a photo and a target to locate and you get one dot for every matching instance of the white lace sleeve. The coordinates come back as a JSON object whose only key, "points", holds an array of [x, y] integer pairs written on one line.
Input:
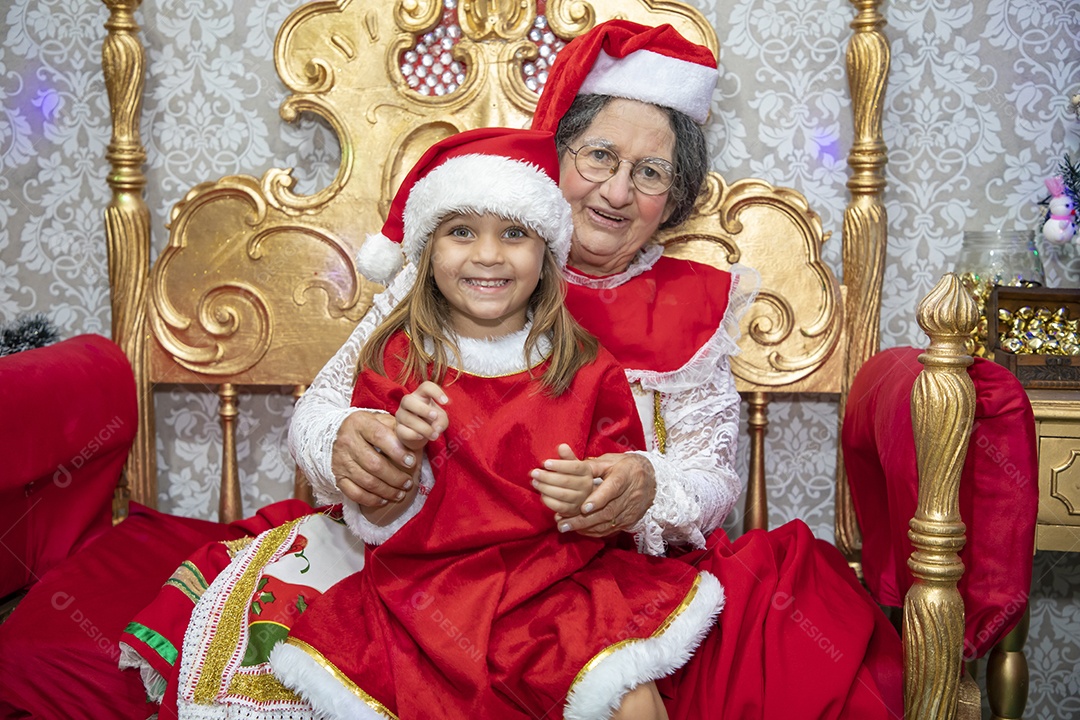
{"points": [[325, 405], [696, 481]]}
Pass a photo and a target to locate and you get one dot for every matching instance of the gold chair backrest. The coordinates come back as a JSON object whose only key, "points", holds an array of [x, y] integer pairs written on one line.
{"points": [[278, 290]]}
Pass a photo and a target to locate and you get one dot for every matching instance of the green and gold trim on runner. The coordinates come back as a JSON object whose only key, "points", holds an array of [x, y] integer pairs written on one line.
{"points": [[189, 580], [342, 678], [609, 650], [234, 613], [262, 687]]}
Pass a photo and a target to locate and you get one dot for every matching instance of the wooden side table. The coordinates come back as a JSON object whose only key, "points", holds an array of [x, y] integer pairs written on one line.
{"points": [[1057, 426], [1057, 429]]}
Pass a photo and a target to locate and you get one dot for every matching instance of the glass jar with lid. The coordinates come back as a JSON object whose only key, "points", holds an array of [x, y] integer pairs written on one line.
{"points": [[996, 257]]}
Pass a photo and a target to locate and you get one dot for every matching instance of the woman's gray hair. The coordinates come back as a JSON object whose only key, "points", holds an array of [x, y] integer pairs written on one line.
{"points": [[691, 153]]}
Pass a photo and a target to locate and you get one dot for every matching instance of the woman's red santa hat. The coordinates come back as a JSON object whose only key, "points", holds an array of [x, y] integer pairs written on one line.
{"points": [[623, 59], [511, 173]]}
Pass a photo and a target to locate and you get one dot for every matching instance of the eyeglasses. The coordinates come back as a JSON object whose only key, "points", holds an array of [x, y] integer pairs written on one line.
{"points": [[651, 176]]}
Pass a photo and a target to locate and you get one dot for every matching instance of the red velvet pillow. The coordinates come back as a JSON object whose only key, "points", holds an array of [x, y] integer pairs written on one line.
{"points": [[67, 419], [998, 490], [58, 650]]}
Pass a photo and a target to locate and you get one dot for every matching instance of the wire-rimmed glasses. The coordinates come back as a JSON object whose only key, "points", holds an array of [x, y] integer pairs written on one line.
{"points": [[596, 163]]}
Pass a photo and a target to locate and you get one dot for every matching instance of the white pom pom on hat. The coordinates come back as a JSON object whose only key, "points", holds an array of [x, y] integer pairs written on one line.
{"points": [[379, 258], [511, 173]]}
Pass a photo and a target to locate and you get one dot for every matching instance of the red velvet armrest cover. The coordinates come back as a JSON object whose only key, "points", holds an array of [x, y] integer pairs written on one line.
{"points": [[998, 489], [67, 420]]}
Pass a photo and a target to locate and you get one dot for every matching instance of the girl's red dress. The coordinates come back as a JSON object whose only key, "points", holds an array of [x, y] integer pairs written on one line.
{"points": [[478, 607]]}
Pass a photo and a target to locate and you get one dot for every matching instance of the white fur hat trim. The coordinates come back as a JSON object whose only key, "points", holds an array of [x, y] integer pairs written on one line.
{"points": [[494, 184], [654, 78]]}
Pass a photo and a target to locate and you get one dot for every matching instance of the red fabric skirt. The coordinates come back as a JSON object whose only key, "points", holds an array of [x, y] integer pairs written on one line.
{"points": [[798, 637]]}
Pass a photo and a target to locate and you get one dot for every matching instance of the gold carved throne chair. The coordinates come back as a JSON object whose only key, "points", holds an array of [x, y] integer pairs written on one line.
{"points": [[258, 287]]}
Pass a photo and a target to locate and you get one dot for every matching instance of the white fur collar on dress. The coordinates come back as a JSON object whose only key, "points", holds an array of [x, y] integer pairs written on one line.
{"points": [[498, 356], [643, 261]]}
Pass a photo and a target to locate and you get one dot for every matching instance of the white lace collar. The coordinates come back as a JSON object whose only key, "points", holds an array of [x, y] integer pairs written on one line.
{"points": [[643, 261], [499, 356]]}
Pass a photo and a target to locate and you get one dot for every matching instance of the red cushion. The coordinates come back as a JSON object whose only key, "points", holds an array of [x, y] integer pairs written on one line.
{"points": [[998, 489], [58, 650], [67, 420]]}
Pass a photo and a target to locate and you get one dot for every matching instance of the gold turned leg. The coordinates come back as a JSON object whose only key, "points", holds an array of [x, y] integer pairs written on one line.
{"points": [[968, 701], [757, 498], [301, 487], [1007, 673]]}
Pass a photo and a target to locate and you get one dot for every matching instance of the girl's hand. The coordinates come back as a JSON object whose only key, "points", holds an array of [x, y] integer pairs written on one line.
{"points": [[420, 417], [627, 492], [564, 484]]}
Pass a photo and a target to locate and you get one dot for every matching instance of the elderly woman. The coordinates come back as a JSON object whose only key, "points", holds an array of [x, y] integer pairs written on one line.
{"points": [[633, 161]]}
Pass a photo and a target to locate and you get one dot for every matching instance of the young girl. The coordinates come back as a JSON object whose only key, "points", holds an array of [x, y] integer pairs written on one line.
{"points": [[473, 604]]}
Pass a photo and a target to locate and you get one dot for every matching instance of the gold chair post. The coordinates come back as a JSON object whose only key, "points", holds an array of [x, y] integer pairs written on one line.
{"points": [[757, 500], [865, 237], [231, 505], [301, 487], [127, 234], [943, 411]]}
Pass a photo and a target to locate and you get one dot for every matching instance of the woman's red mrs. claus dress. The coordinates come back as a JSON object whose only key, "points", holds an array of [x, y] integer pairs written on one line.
{"points": [[798, 637]]}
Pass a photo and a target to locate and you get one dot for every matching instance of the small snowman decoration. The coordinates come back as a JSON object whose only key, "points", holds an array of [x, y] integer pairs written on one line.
{"points": [[1060, 225]]}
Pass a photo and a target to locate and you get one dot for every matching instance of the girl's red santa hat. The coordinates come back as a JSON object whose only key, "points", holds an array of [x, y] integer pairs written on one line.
{"points": [[511, 173], [624, 59]]}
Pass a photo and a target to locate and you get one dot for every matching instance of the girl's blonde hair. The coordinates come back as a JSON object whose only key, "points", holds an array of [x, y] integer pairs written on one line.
{"points": [[424, 314]]}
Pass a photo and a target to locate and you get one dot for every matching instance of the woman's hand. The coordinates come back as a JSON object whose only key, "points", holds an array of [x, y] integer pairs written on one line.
{"points": [[624, 496], [564, 484], [370, 463]]}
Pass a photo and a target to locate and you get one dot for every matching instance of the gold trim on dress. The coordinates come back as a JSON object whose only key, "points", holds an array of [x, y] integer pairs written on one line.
{"points": [[342, 678], [233, 547], [611, 649], [528, 370], [658, 424]]}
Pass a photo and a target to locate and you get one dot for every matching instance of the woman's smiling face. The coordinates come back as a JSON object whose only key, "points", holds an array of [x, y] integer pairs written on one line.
{"points": [[612, 219]]}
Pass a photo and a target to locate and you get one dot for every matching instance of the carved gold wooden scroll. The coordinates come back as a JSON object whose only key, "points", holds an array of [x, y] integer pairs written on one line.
{"points": [[943, 410], [127, 233], [865, 229], [791, 333]]}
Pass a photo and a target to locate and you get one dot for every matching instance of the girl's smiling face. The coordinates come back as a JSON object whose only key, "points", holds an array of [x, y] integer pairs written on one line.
{"points": [[487, 268]]}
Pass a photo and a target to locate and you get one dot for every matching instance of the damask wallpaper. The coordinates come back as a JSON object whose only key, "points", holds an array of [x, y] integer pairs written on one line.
{"points": [[975, 119]]}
